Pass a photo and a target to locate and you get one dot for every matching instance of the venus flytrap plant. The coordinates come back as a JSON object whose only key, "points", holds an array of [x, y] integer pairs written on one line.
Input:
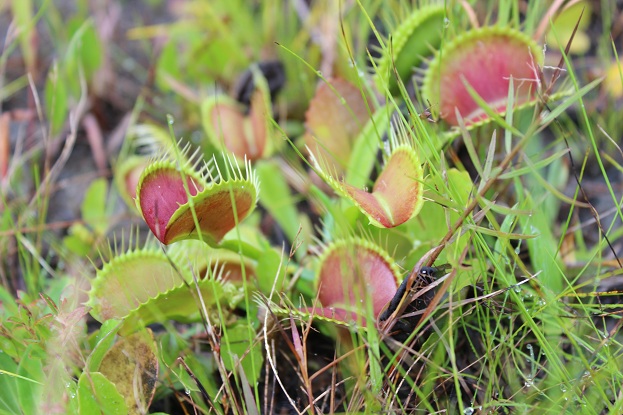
{"points": [[484, 60], [247, 134], [493, 312], [145, 285], [351, 272], [167, 199], [334, 119], [414, 40], [396, 196]]}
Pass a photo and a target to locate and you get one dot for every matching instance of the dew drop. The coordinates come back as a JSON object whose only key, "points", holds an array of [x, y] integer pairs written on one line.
{"points": [[468, 411]]}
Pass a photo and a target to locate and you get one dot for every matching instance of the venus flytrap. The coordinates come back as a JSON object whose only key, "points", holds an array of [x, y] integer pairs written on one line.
{"points": [[412, 42], [456, 343], [167, 199], [145, 285], [351, 272], [247, 134], [484, 60], [334, 119], [396, 196]]}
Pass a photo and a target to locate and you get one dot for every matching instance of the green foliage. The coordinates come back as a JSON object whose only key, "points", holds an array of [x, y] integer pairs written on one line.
{"points": [[83, 238], [367, 171], [25, 22], [98, 395], [56, 99], [276, 198], [236, 351]]}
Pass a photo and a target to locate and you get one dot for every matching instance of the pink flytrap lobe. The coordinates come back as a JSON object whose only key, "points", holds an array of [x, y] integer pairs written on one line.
{"points": [[169, 206], [350, 273], [486, 60]]}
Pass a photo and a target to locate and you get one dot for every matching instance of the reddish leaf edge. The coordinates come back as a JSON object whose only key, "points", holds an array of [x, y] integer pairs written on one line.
{"points": [[398, 145]]}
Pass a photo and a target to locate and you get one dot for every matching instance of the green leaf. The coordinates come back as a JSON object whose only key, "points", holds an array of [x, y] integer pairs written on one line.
{"points": [[8, 388], [9, 306], [168, 65], [535, 166], [104, 338], [98, 395], [502, 244], [239, 341], [25, 27], [56, 99], [276, 198], [543, 248], [271, 267], [84, 50], [436, 217], [572, 99], [132, 365], [79, 239], [203, 367], [30, 379], [94, 206], [12, 87]]}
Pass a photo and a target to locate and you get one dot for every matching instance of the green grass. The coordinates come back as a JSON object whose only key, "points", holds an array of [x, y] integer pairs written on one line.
{"points": [[525, 209]]}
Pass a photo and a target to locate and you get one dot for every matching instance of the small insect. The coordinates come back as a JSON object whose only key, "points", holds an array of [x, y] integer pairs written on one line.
{"points": [[425, 276], [428, 116]]}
